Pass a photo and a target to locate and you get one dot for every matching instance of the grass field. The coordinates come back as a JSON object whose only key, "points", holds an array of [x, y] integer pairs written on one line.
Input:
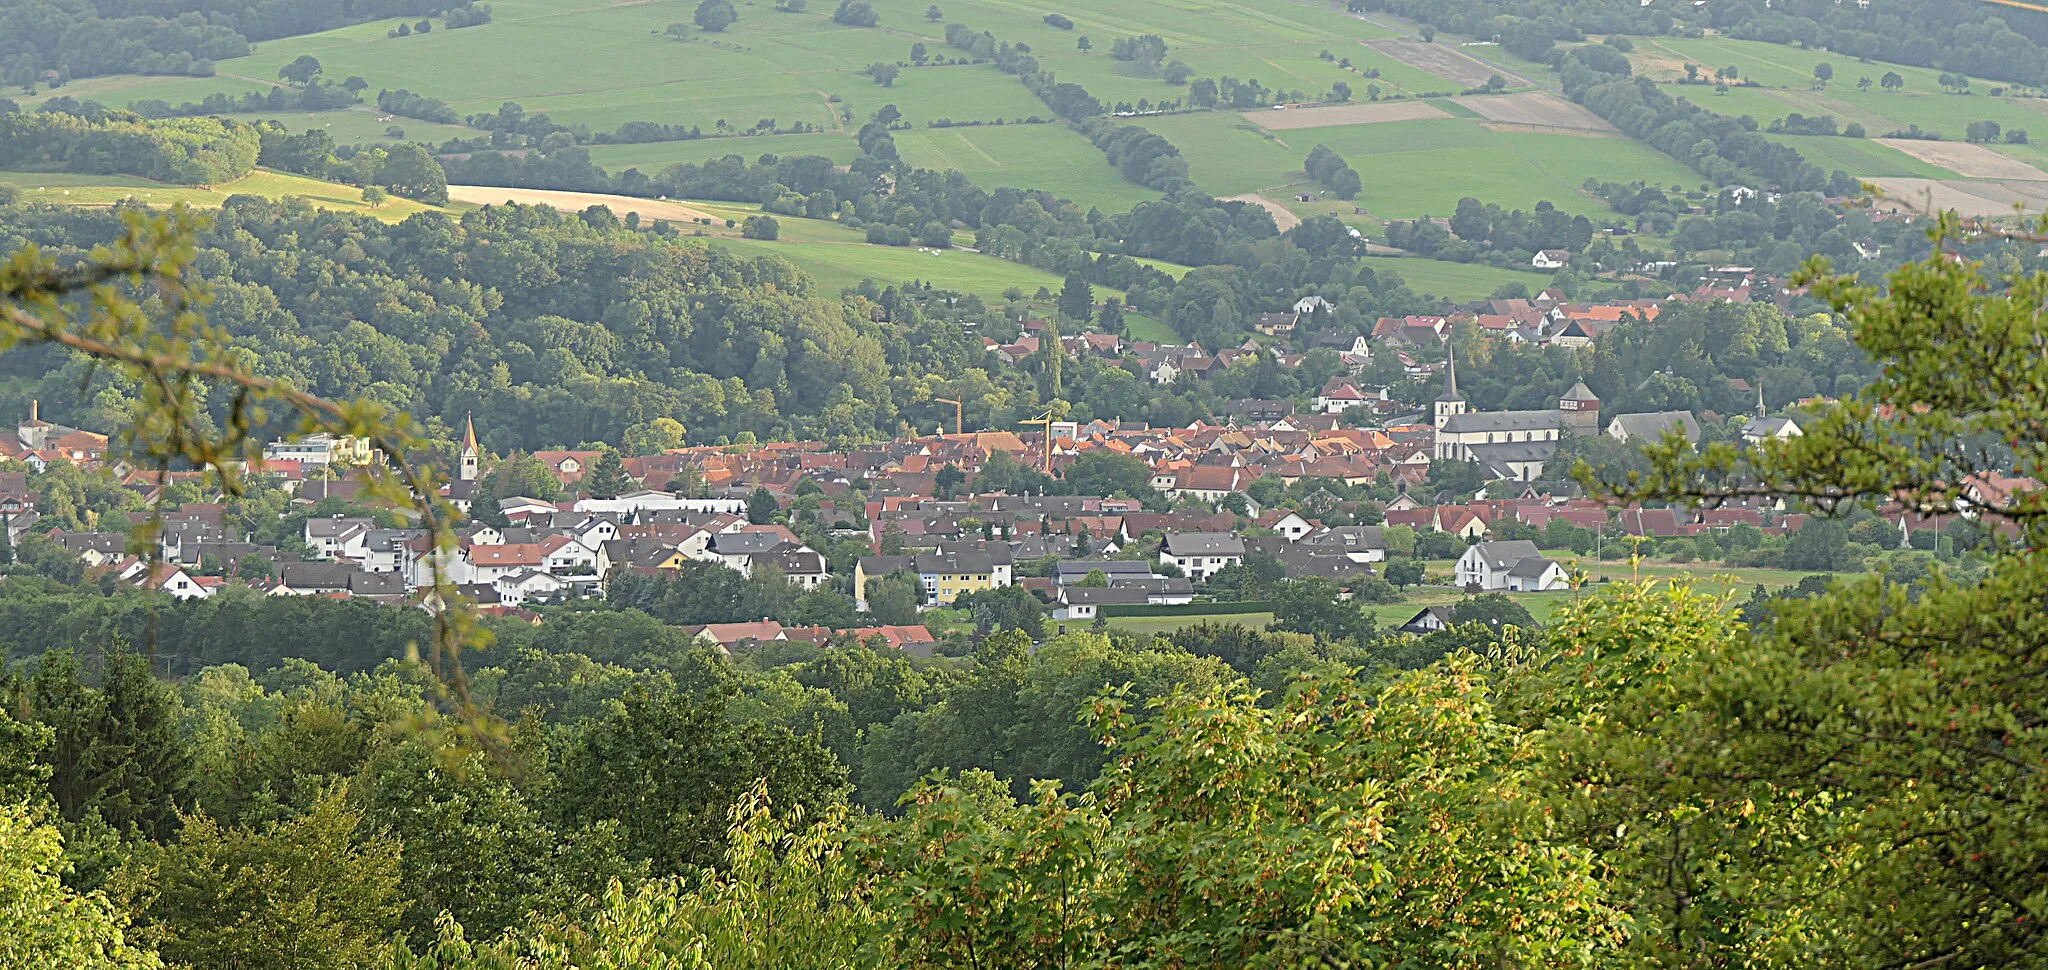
{"points": [[1458, 281], [64, 189], [655, 156], [359, 126], [1861, 157], [1412, 168], [1053, 157]]}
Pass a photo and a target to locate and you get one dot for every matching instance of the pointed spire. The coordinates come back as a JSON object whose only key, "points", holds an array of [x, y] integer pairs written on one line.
{"points": [[1451, 377], [469, 437], [1761, 410]]}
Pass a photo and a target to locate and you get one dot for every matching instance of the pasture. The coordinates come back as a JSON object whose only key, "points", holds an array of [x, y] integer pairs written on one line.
{"points": [[105, 190], [1456, 281], [1052, 157], [1861, 157], [1412, 168], [837, 265], [652, 157]]}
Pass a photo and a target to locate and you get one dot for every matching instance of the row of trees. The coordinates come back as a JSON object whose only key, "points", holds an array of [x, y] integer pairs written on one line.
{"points": [[188, 151]]}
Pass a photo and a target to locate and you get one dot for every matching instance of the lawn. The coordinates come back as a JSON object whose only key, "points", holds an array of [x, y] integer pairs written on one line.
{"points": [[1053, 157], [65, 189], [1456, 281], [1412, 168], [1141, 327]]}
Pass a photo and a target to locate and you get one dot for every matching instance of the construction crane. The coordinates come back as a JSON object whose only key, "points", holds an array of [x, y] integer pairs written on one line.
{"points": [[959, 412], [2022, 6], [1044, 421]]}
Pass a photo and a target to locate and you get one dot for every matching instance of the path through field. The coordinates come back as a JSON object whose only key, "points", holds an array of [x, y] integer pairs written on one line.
{"points": [[1281, 217], [576, 202]]}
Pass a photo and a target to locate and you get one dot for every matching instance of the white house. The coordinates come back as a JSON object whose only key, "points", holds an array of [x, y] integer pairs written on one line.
{"points": [[1202, 554], [1509, 565], [1337, 395], [1310, 304], [526, 584], [1550, 259], [339, 537], [1759, 430]]}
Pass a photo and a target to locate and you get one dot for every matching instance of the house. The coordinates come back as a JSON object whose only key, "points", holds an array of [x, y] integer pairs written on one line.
{"points": [[1209, 483], [568, 466], [1085, 602], [338, 537], [167, 578], [1202, 554], [322, 449], [1072, 572], [1550, 259], [947, 575], [1310, 304], [1430, 620], [1286, 523], [1358, 543], [1509, 565], [803, 567], [1649, 427], [1273, 324], [1339, 394], [875, 567], [736, 634], [1761, 429], [527, 584]]}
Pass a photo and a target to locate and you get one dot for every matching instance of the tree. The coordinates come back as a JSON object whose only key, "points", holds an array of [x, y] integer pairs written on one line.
{"points": [[761, 227], [1891, 81], [893, 599], [301, 71], [607, 477], [857, 13], [374, 196], [919, 54], [946, 483], [715, 15], [409, 171], [6, 540], [1470, 222], [761, 506], [1823, 72], [882, 73], [313, 892], [1495, 610], [932, 13], [1982, 132], [1083, 44], [1863, 83], [43, 923], [669, 769], [1077, 298]]}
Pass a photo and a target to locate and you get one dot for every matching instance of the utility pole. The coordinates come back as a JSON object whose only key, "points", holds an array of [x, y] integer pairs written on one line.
{"points": [[959, 413]]}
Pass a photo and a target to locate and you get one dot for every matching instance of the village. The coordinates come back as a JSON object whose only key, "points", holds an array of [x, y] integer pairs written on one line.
{"points": [[1336, 488]]}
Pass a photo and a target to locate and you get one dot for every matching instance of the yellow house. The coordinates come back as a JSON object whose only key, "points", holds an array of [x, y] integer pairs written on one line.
{"points": [[947, 575]]}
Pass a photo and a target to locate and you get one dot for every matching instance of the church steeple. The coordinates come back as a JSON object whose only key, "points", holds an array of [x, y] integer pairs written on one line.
{"points": [[1450, 402], [471, 457], [1451, 378], [1761, 410]]}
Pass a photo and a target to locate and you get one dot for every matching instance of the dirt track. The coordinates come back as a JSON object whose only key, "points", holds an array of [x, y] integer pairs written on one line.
{"points": [[1536, 109], [1326, 116], [1281, 217], [1965, 159], [1448, 63], [577, 202]]}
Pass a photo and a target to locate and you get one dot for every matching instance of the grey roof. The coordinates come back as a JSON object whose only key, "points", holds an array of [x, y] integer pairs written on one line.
{"points": [[1349, 537], [336, 526], [793, 562], [1204, 544], [884, 565], [1114, 595], [1074, 570], [1580, 392], [1766, 426], [388, 540], [1154, 585], [1502, 553], [1531, 568], [998, 552], [1506, 451], [744, 543], [1482, 421], [1442, 614], [1651, 425], [316, 575], [967, 563]]}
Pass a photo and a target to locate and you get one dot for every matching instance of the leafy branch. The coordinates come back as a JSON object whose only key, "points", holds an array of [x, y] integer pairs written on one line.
{"points": [[130, 305]]}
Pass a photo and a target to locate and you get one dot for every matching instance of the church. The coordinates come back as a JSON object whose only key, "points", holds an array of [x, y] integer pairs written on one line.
{"points": [[1513, 445]]}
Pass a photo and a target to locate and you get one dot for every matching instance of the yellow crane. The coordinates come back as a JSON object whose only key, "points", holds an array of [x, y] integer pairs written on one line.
{"points": [[959, 413], [1044, 421]]}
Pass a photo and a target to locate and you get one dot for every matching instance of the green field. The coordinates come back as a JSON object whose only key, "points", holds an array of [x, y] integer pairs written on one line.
{"points": [[1457, 281], [1861, 157], [66, 189], [839, 257], [1412, 168], [652, 157], [1786, 76], [1168, 624], [1053, 157]]}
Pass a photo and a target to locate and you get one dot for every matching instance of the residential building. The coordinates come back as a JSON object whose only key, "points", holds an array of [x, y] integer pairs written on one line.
{"points": [[1514, 565], [947, 575], [1550, 259], [1202, 554], [1649, 427]]}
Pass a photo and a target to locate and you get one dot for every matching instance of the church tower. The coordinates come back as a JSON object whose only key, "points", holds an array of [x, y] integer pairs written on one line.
{"points": [[471, 458], [1450, 402]]}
